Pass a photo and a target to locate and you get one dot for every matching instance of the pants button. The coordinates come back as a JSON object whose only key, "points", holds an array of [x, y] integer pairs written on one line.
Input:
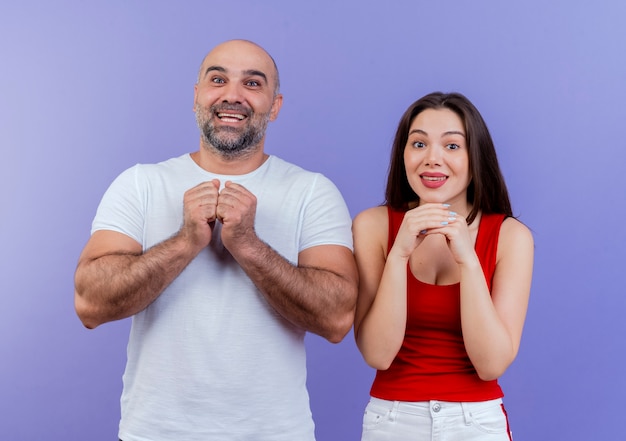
{"points": [[436, 407]]}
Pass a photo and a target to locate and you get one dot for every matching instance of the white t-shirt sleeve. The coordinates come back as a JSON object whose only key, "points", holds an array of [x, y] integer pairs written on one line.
{"points": [[121, 207], [326, 219]]}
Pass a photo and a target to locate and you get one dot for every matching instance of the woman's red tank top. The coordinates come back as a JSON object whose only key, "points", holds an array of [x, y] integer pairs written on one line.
{"points": [[432, 363]]}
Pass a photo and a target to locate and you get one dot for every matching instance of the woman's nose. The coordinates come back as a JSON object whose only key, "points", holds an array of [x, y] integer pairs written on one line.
{"points": [[433, 156]]}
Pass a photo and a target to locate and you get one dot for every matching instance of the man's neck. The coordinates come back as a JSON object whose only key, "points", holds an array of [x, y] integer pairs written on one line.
{"points": [[220, 164]]}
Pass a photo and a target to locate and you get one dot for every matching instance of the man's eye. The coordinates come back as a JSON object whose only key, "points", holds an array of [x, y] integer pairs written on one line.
{"points": [[253, 83], [217, 80]]}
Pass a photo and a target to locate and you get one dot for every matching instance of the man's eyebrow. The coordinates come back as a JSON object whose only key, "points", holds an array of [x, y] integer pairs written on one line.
{"points": [[254, 72], [212, 68], [249, 72]]}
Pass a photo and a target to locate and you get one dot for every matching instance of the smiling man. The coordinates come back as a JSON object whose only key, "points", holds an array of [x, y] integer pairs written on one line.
{"points": [[223, 258], [229, 127]]}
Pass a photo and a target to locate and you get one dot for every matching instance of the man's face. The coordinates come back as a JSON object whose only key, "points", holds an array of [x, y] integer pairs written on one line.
{"points": [[235, 98], [219, 128]]}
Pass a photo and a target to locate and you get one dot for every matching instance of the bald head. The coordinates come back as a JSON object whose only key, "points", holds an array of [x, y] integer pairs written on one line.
{"points": [[248, 56]]}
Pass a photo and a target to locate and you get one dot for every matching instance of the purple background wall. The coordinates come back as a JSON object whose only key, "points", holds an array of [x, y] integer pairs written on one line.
{"points": [[88, 89]]}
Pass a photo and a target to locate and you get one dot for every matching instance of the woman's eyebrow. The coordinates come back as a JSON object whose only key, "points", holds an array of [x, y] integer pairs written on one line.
{"points": [[454, 132], [450, 132]]}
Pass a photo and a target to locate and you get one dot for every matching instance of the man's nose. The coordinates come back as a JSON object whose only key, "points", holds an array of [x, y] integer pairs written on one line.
{"points": [[232, 93]]}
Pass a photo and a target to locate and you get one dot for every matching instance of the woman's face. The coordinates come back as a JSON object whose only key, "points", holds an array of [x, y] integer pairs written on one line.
{"points": [[436, 157]]}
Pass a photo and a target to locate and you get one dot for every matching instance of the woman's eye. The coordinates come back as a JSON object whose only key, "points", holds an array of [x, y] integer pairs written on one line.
{"points": [[453, 146], [419, 145]]}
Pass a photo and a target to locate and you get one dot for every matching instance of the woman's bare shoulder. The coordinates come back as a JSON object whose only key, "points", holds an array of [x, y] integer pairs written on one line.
{"points": [[514, 234], [372, 216], [371, 225]]}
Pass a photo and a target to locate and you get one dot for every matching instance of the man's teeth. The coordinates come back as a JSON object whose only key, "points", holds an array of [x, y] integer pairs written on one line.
{"points": [[231, 115]]}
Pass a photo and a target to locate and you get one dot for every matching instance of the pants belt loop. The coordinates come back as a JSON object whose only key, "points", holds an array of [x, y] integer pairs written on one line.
{"points": [[466, 414], [394, 410]]}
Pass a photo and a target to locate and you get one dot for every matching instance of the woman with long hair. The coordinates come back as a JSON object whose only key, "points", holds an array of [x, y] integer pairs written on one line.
{"points": [[445, 273]]}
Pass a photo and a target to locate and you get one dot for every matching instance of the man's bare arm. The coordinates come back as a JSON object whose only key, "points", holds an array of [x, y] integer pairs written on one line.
{"points": [[115, 280], [318, 295]]}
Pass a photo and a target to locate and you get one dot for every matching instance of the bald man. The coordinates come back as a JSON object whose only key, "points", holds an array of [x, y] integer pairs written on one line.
{"points": [[223, 258]]}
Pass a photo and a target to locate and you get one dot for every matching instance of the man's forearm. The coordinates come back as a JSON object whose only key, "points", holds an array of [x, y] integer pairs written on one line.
{"points": [[319, 300], [120, 284]]}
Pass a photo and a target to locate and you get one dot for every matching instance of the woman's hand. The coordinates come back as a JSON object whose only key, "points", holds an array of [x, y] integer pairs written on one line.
{"points": [[432, 218], [458, 237]]}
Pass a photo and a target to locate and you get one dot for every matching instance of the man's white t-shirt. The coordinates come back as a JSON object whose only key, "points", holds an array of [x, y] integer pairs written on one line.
{"points": [[210, 359]]}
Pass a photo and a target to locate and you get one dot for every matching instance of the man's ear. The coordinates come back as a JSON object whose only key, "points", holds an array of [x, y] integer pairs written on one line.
{"points": [[195, 96], [276, 105]]}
